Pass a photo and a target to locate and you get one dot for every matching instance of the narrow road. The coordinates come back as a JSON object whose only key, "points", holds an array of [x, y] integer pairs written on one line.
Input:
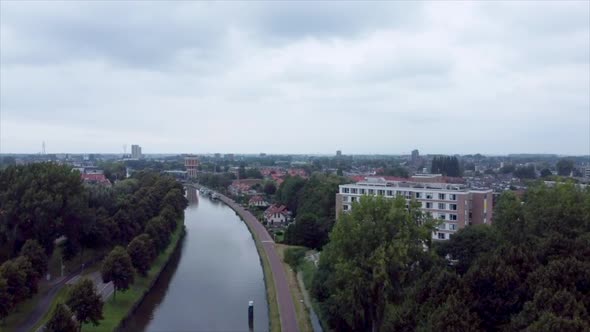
{"points": [[44, 303], [285, 302]]}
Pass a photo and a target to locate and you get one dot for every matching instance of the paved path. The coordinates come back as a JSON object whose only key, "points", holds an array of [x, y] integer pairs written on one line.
{"points": [[44, 303], [286, 306]]}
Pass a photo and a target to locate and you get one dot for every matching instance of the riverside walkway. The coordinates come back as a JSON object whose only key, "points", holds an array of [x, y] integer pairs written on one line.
{"points": [[284, 299]]}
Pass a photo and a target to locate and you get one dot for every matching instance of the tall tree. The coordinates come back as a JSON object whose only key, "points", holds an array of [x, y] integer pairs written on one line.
{"points": [[159, 232], [85, 303], [378, 239], [565, 167], [5, 299], [62, 320], [142, 252], [16, 281], [36, 255], [117, 267]]}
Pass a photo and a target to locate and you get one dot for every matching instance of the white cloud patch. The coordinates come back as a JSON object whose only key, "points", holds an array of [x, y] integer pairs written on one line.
{"points": [[300, 77]]}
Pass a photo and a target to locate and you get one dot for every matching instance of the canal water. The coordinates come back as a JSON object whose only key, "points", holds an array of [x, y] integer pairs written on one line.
{"points": [[210, 278]]}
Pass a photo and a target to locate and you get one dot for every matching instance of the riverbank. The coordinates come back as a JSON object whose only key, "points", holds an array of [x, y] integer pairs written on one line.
{"points": [[274, 319], [303, 316], [117, 310]]}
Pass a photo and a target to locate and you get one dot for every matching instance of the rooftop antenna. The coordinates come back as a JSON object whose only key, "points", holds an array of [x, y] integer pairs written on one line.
{"points": [[43, 148]]}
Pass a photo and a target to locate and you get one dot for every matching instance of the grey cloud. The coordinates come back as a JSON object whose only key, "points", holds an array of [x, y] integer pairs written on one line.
{"points": [[363, 77]]}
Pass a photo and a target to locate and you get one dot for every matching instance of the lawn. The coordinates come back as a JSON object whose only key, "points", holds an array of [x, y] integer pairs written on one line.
{"points": [[118, 308]]}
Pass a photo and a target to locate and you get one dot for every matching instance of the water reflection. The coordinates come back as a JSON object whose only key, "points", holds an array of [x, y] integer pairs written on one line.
{"points": [[216, 273]]}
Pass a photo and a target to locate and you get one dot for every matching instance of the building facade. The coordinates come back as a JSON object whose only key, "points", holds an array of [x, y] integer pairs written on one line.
{"points": [[136, 152], [191, 164], [455, 205]]}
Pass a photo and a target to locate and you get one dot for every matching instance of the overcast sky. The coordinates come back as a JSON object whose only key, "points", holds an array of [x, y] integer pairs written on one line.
{"points": [[302, 77]]}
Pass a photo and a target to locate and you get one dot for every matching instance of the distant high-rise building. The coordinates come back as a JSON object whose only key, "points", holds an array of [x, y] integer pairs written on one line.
{"points": [[217, 155], [587, 172], [229, 156], [338, 153], [191, 164], [136, 151], [415, 156]]}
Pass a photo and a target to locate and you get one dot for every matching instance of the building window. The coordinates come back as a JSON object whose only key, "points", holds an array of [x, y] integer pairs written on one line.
{"points": [[442, 226], [453, 227], [453, 207], [442, 216], [380, 192], [452, 197], [345, 190], [418, 195], [344, 198], [441, 196], [353, 199], [441, 206], [428, 205], [453, 217], [371, 192], [390, 193], [345, 207], [353, 190], [428, 195], [362, 191], [441, 236]]}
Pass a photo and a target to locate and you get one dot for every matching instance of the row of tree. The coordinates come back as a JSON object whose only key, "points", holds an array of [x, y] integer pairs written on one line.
{"points": [[41, 202], [83, 305], [446, 165], [19, 277], [529, 271]]}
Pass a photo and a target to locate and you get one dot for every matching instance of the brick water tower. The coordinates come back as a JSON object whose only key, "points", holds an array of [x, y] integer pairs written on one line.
{"points": [[191, 163]]}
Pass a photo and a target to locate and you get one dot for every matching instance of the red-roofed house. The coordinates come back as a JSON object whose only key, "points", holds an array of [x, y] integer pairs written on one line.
{"points": [[277, 215], [96, 178], [257, 201]]}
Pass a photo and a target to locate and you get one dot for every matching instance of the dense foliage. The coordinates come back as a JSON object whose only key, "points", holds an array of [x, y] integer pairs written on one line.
{"points": [[62, 320], [445, 165], [373, 252], [529, 271], [85, 303], [313, 202], [41, 202]]}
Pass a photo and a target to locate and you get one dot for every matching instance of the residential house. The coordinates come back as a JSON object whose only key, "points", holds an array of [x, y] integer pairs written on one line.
{"points": [[258, 201], [96, 179], [277, 215]]}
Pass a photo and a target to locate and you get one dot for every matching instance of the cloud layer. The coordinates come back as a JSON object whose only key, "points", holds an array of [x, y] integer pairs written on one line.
{"points": [[300, 77]]}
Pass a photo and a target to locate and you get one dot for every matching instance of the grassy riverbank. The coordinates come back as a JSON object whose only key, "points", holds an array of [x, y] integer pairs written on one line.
{"points": [[117, 309]]}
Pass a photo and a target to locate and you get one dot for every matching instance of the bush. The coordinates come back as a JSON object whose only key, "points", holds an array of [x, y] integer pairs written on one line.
{"points": [[294, 257]]}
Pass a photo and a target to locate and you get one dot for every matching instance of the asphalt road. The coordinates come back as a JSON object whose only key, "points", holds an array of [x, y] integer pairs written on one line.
{"points": [[284, 299], [105, 290]]}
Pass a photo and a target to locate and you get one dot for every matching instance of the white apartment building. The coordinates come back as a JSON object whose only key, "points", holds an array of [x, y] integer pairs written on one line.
{"points": [[454, 204]]}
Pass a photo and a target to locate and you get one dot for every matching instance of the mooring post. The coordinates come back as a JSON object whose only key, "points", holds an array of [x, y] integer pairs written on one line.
{"points": [[251, 315]]}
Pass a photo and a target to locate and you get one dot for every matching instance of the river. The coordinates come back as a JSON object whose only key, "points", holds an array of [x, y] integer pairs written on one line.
{"points": [[210, 278]]}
